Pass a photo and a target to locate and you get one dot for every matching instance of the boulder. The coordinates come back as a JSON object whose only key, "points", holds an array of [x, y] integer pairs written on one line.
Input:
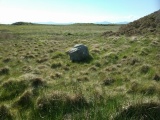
{"points": [[78, 53]]}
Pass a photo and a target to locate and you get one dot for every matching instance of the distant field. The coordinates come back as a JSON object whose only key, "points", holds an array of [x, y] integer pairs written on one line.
{"points": [[49, 32], [38, 80]]}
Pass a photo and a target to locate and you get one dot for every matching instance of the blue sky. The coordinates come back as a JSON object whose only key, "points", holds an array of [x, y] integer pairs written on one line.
{"points": [[63, 11]]}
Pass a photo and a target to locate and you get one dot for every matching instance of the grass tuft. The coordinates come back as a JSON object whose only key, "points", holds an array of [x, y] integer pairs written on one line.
{"points": [[108, 81], [56, 75], [56, 65], [83, 79], [4, 70], [5, 113], [25, 100], [156, 77], [36, 82], [140, 111], [145, 68], [11, 89]]}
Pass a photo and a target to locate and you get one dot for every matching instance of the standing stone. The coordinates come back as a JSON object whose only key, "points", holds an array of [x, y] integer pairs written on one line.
{"points": [[78, 53]]}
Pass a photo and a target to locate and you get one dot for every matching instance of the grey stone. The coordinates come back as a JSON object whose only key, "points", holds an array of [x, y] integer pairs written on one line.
{"points": [[78, 53]]}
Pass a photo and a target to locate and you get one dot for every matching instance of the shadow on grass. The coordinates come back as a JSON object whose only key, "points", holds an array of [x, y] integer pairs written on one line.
{"points": [[87, 60]]}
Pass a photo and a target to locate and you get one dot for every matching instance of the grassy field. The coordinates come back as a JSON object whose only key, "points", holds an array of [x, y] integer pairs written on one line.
{"points": [[38, 80]]}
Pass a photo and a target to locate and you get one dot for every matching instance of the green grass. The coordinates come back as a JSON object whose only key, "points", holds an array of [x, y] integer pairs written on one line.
{"points": [[38, 80]]}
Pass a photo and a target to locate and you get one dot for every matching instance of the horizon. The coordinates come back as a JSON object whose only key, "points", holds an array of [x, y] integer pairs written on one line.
{"points": [[74, 11]]}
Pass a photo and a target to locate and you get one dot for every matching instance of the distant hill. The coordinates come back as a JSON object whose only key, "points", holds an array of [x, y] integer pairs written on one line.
{"points": [[149, 24], [116, 23], [122, 22], [104, 22], [22, 23], [54, 23]]}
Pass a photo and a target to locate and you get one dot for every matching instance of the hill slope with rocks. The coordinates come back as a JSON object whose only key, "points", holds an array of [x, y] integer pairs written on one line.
{"points": [[147, 24]]}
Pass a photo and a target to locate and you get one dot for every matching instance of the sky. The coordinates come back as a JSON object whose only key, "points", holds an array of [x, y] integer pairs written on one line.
{"points": [[75, 11]]}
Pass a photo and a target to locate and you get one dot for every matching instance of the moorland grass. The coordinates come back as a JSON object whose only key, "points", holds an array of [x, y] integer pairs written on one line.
{"points": [[38, 80]]}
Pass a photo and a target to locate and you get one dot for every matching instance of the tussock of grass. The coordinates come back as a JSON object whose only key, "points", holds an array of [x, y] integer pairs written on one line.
{"points": [[56, 65], [145, 68], [134, 60], [6, 60], [56, 75], [41, 60], [83, 79], [144, 51], [5, 113], [145, 111], [148, 89], [97, 64], [58, 55], [156, 77], [111, 57], [108, 81], [134, 87], [25, 100], [144, 88], [76, 101], [11, 89], [53, 103], [4, 70], [93, 68], [36, 82], [50, 102]]}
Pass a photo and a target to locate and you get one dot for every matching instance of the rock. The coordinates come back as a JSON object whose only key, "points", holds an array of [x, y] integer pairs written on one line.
{"points": [[78, 53]]}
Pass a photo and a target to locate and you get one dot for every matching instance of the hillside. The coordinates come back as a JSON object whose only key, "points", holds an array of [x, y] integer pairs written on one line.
{"points": [[149, 24]]}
